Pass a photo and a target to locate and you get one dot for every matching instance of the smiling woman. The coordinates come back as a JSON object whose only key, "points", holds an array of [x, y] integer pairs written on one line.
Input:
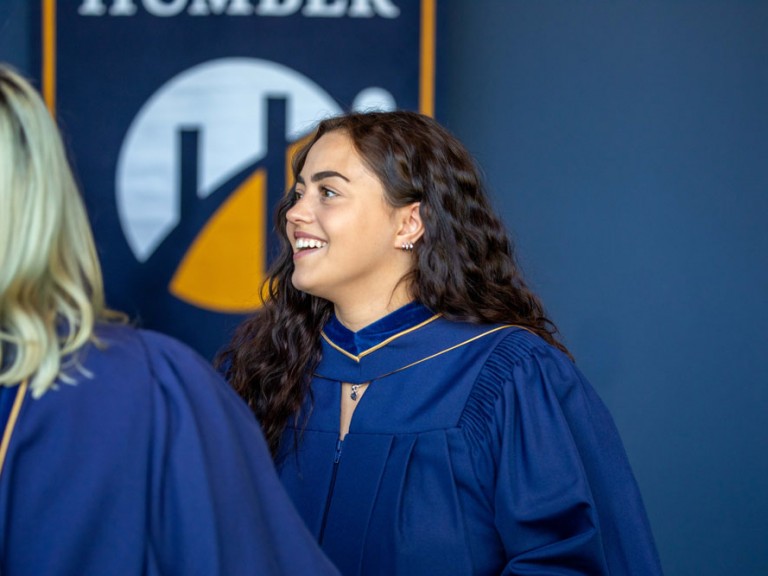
{"points": [[424, 417], [345, 234]]}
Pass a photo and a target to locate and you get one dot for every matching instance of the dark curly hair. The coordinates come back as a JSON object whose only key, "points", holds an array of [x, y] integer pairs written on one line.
{"points": [[466, 268]]}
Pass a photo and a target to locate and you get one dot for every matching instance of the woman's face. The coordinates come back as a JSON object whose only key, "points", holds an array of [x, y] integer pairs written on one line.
{"points": [[342, 229]]}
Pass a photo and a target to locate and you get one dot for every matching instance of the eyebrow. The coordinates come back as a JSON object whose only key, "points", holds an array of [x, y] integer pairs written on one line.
{"points": [[322, 175]]}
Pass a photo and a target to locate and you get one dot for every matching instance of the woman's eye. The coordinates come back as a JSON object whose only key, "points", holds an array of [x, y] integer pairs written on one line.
{"points": [[298, 195], [327, 192]]}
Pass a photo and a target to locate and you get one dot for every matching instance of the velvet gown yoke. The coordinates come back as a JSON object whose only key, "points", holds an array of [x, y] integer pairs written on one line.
{"points": [[476, 449]]}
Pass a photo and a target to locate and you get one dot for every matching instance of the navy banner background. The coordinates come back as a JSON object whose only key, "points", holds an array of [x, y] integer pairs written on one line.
{"points": [[170, 117]]}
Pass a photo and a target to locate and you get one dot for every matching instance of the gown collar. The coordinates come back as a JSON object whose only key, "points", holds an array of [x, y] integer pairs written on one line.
{"points": [[358, 344], [406, 338]]}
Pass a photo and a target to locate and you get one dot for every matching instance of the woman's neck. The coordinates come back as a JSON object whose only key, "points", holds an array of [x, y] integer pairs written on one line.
{"points": [[357, 315]]}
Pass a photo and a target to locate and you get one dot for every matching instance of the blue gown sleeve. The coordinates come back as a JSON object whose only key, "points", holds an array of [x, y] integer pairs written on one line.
{"points": [[221, 509], [565, 498]]}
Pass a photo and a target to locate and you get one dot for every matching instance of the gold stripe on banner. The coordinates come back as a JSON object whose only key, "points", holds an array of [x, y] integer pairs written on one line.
{"points": [[427, 75], [49, 54]]}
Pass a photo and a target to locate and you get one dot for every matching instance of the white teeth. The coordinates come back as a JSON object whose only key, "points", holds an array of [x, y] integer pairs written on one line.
{"points": [[303, 243]]}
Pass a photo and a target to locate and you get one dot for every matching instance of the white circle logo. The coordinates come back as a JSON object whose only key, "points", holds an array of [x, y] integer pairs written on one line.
{"points": [[223, 99]]}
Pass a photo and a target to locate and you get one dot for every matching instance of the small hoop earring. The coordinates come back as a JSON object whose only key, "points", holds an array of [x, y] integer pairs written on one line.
{"points": [[407, 247]]}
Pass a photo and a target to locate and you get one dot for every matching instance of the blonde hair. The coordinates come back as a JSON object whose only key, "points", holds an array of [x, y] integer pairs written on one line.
{"points": [[51, 291]]}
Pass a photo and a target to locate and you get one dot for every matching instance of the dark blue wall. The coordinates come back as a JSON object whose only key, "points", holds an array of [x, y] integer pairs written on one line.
{"points": [[15, 35], [626, 144]]}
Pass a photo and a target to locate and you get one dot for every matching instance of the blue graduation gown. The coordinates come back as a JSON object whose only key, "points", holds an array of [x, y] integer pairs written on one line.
{"points": [[474, 450], [151, 466]]}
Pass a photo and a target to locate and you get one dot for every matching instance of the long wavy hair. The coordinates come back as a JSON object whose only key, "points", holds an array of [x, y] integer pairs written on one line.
{"points": [[465, 265], [50, 281]]}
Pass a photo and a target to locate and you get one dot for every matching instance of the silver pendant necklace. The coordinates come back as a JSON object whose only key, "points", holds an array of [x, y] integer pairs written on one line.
{"points": [[354, 395]]}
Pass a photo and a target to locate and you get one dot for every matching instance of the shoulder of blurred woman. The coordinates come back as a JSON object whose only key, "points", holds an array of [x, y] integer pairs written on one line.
{"points": [[130, 369]]}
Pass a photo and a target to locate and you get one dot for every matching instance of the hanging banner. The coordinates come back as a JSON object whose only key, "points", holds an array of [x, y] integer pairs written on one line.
{"points": [[181, 117]]}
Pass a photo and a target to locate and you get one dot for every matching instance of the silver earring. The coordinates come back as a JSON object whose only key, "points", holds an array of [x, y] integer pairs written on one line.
{"points": [[407, 246]]}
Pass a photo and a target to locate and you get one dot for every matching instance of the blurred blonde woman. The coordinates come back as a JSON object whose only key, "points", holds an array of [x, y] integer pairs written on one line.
{"points": [[122, 451]]}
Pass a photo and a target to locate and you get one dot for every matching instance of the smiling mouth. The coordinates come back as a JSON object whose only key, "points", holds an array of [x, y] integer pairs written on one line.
{"points": [[309, 244]]}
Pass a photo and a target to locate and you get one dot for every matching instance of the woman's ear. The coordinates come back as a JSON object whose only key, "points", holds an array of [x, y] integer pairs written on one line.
{"points": [[411, 225]]}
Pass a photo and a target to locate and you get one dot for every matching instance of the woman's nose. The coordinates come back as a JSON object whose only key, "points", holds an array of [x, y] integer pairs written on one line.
{"points": [[299, 212]]}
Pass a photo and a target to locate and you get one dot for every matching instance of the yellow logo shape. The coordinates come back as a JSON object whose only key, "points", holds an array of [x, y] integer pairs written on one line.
{"points": [[225, 266]]}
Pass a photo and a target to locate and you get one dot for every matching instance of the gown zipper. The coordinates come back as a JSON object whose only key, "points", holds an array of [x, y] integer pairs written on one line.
{"points": [[336, 458]]}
